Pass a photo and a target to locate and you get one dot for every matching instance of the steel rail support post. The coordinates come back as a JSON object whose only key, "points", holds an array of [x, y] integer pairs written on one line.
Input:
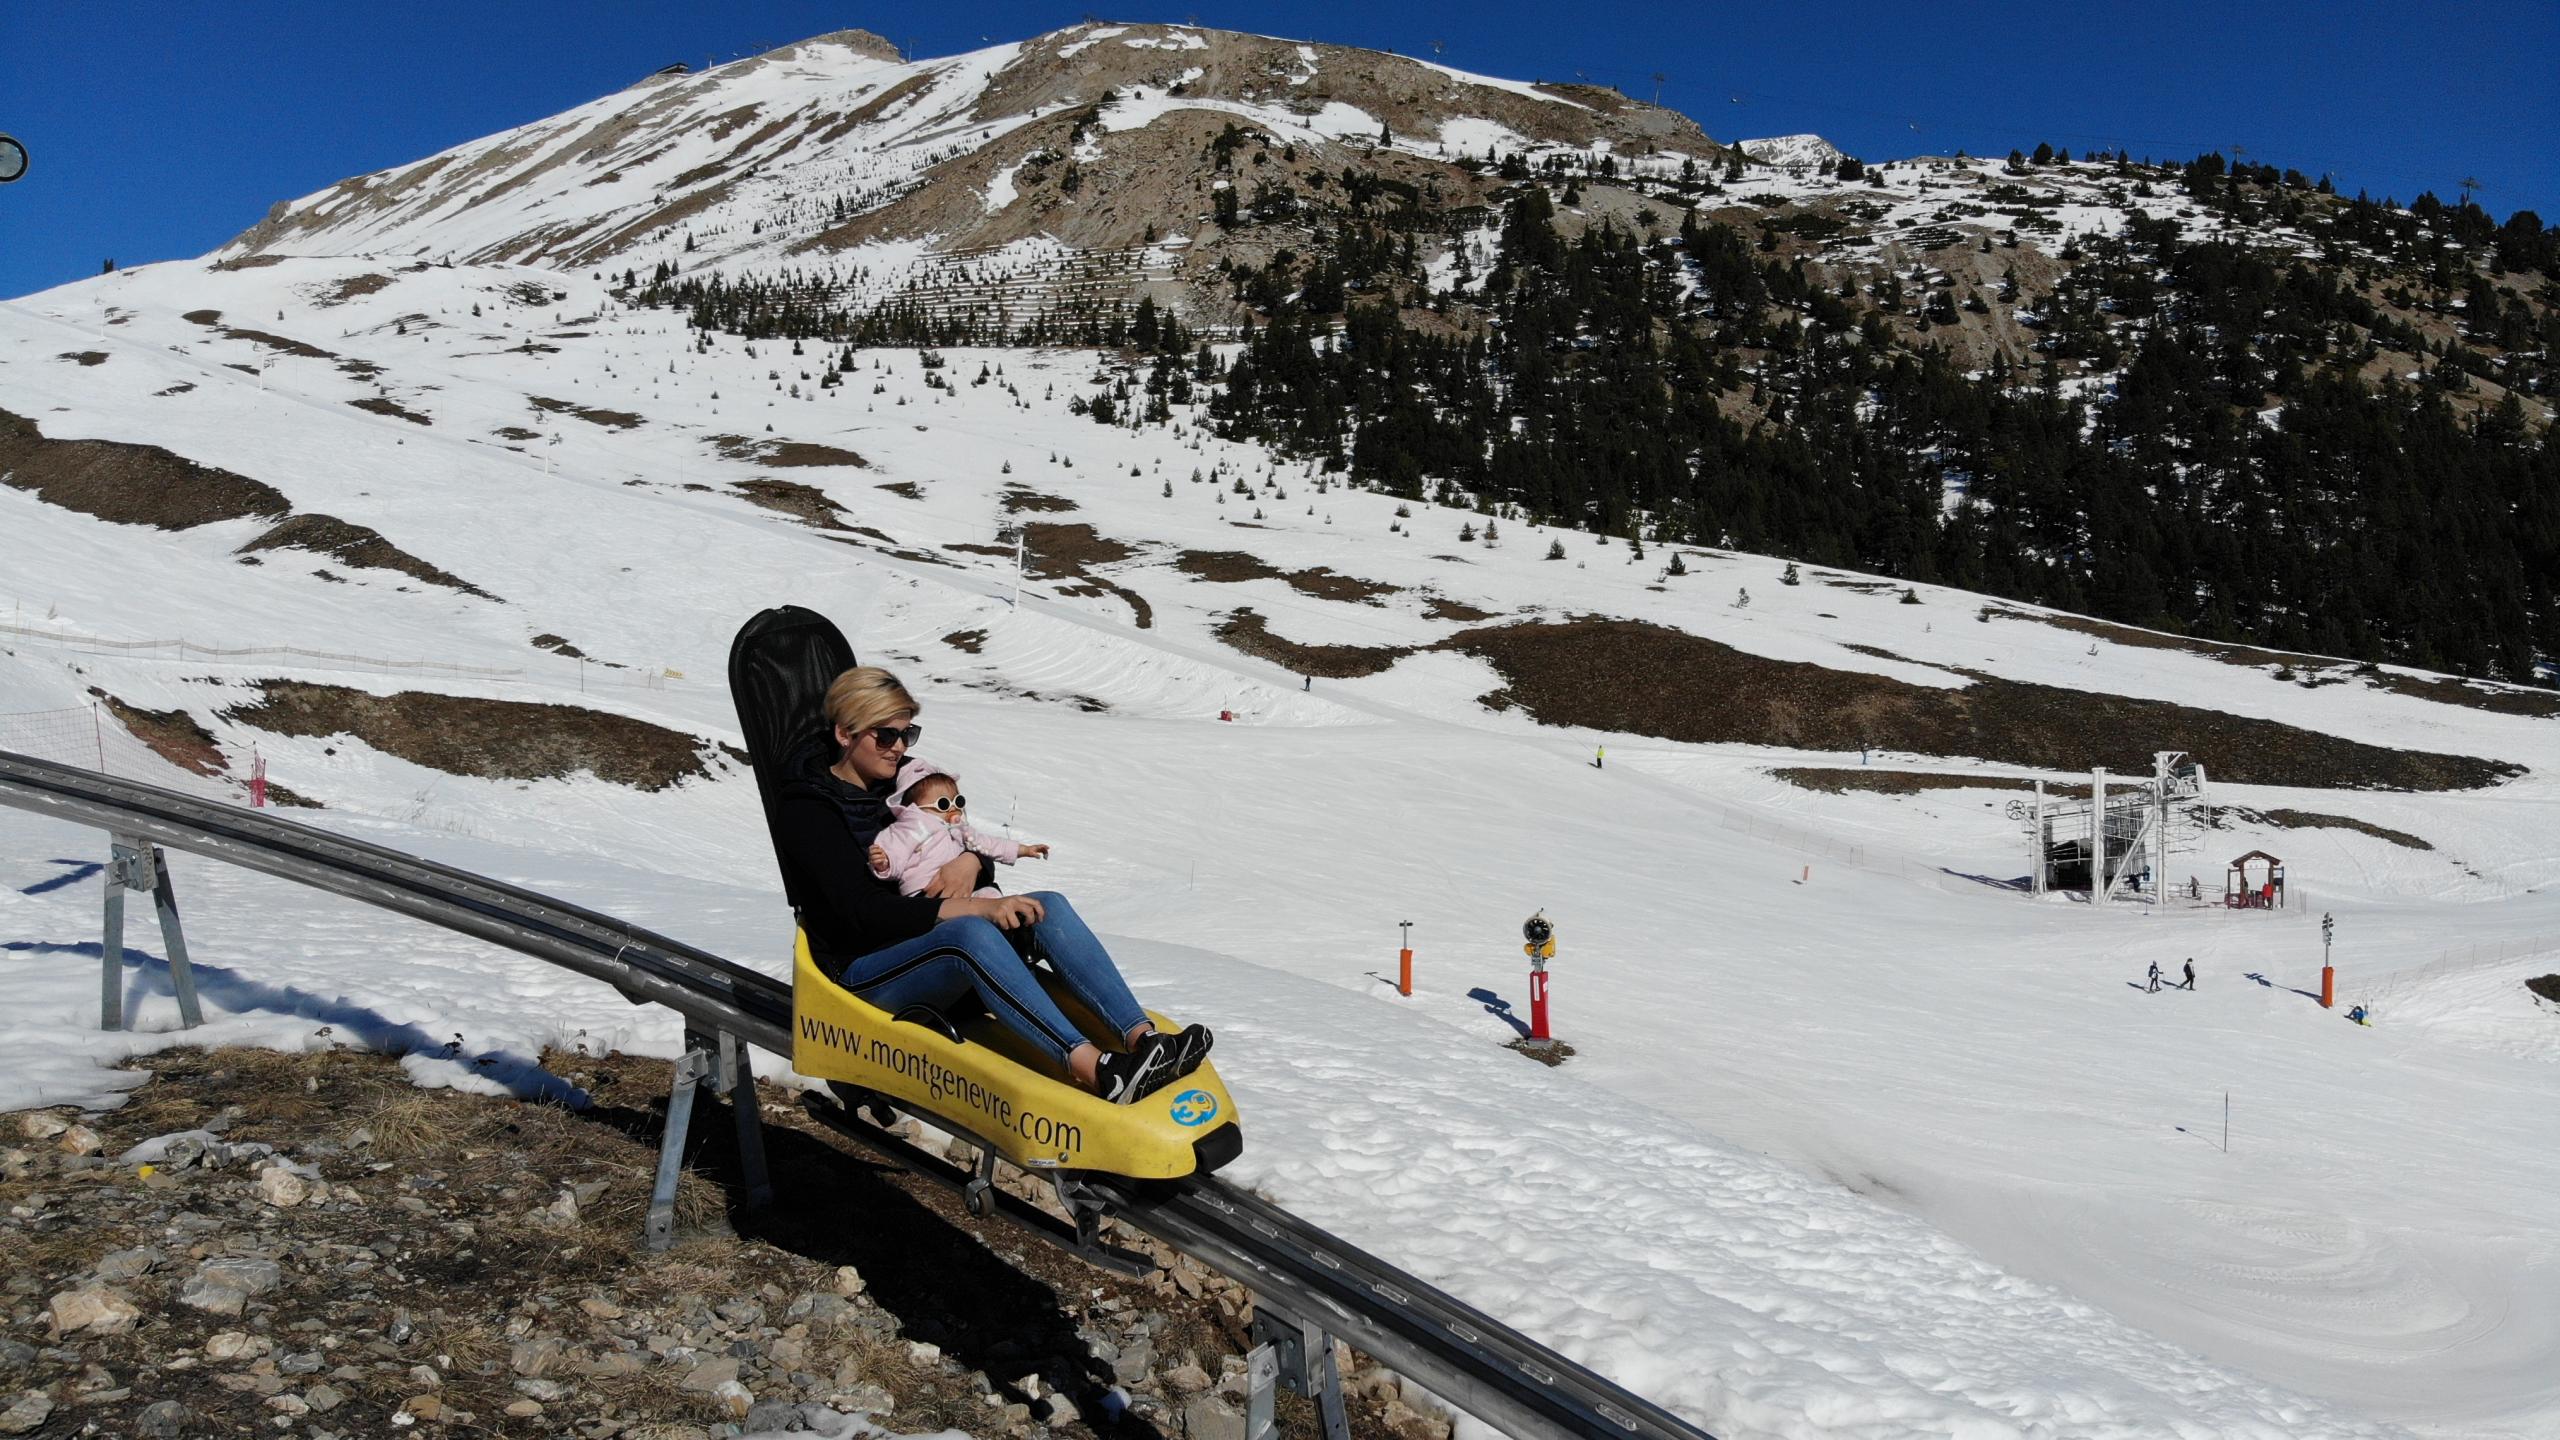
{"points": [[136, 865], [691, 1068], [736, 1083], [1288, 1351]]}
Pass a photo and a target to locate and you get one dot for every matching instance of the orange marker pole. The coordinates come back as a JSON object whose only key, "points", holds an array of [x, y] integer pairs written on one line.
{"points": [[2328, 987], [1404, 961]]}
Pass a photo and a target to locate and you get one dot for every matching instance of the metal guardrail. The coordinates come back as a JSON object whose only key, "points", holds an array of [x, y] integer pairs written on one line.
{"points": [[1457, 1352]]}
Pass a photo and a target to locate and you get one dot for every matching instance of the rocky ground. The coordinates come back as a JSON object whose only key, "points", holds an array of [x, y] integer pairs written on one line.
{"points": [[272, 1244]]}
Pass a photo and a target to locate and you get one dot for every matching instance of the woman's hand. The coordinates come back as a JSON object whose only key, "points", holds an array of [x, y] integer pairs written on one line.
{"points": [[1009, 912], [1036, 852], [955, 879]]}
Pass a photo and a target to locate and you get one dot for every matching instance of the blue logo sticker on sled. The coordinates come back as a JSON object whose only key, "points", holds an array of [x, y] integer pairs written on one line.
{"points": [[1194, 1108]]}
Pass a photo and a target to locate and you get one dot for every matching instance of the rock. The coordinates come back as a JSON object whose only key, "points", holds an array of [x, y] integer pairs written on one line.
{"points": [[167, 1420], [1060, 1411], [323, 1398], [563, 1210], [422, 1407], [1029, 1385], [97, 1310], [426, 1377], [523, 1409], [1013, 1415], [306, 1363], [282, 1188], [787, 1354], [536, 1355], [849, 1281], [234, 1345], [734, 1398], [601, 1309], [923, 1352], [16, 1164], [1405, 1420], [223, 1287], [79, 1140], [545, 1390], [288, 1404], [1134, 1363], [710, 1375], [615, 1365], [1187, 1379], [16, 1354], [29, 1411], [38, 1125], [1206, 1417], [128, 1264], [773, 1415], [863, 1399]]}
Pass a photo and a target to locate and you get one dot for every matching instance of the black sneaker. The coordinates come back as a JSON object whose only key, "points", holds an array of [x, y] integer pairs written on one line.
{"points": [[1191, 1046], [1126, 1077]]}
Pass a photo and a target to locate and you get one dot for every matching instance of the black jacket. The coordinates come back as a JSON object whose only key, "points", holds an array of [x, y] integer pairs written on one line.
{"points": [[824, 828]]}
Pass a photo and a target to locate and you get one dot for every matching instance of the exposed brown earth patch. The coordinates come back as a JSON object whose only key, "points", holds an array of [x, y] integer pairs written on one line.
{"points": [[173, 735], [972, 548], [1441, 607], [1235, 566], [1246, 631], [516, 432], [2313, 820], [1225, 566], [1056, 551], [84, 358], [1833, 780], [212, 320], [490, 739], [1648, 680], [1322, 583], [1018, 500], [967, 641], [353, 287], [354, 544], [127, 484], [787, 454], [611, 419], [385, 405], [181, 388], [2546, 986], [805, 503], [558, 646], [2318, 669], [903, 489]]}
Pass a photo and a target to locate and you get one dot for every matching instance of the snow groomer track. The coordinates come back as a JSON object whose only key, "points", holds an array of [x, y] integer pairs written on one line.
{"points": [[1296, 1270]]}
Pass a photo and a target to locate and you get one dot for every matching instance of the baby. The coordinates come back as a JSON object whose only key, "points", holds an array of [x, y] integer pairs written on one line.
{"points": [[932, 829]]}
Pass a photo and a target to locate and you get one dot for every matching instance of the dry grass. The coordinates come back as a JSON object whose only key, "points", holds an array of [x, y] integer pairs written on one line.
{"points": [[127, 484], [1650, 680], [494, 739], [1246, 630]]}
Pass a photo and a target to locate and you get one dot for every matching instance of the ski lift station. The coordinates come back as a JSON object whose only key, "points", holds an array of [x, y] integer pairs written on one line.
{"points": [[2116, 841]]}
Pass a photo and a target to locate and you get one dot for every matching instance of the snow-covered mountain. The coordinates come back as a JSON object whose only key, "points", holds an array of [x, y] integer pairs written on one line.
{"points": [[1790, 152], [1857, 1139]]}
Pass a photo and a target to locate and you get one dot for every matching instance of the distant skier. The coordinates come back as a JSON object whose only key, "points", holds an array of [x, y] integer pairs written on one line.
{"points": [[2190, 982], [2358, 1016], [2154, 987], [1307, 682], [1599, 758]]}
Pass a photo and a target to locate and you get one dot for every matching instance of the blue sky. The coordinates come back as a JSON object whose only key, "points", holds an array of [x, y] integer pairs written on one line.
{"points": [[159, 130]]}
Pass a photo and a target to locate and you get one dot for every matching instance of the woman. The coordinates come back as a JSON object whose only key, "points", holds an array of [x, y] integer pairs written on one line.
{"points": [[896, 950]]}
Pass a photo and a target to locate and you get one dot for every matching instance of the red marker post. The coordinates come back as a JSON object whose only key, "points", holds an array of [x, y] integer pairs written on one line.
{"points": [[1404, 961], [1541, 948]]}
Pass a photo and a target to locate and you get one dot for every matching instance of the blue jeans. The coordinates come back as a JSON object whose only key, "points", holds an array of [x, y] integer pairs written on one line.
{"points": [[972, 956]]}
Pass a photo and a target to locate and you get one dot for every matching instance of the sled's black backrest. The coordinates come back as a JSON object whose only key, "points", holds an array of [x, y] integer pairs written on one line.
{"points": [[779, 669]]}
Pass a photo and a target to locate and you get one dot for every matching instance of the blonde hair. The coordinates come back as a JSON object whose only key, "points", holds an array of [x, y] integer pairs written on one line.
{"points": [[865, 696]]}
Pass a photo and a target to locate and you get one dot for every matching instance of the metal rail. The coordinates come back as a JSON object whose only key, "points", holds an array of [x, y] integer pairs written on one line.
{"points": [[1457, 1352]]}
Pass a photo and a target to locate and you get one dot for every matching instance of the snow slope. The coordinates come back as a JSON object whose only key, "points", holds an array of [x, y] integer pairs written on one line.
{"points": [[1861, 1149]]}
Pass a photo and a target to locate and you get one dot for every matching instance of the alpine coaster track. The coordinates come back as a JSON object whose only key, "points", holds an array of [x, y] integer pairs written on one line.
{"points": [[1302, 1276]]}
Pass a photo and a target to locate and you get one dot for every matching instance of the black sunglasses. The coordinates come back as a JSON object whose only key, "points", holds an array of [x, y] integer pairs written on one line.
{"points": [[947, 803], [885, 736]]}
